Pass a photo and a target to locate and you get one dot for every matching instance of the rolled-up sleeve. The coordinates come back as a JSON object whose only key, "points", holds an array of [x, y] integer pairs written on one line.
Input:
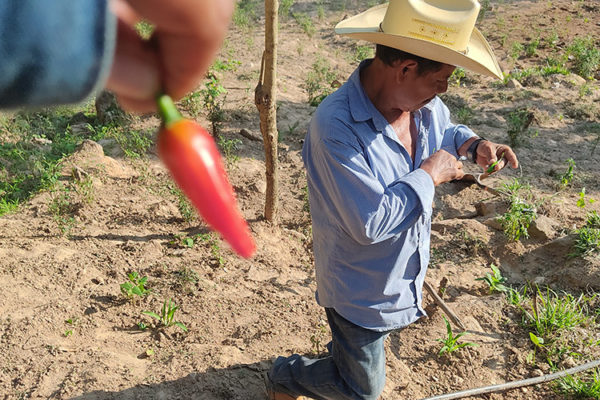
{"points": [[53, 52]]}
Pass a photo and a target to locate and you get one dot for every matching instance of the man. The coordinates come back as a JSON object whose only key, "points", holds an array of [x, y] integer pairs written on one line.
{"points": [[374, 152]]}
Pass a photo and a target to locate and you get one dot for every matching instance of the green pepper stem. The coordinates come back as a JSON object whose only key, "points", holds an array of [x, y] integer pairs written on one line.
{"points": [[167, 110]]}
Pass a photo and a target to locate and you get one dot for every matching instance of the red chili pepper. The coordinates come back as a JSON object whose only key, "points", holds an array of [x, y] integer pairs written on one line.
{"points": [[192, 157]]}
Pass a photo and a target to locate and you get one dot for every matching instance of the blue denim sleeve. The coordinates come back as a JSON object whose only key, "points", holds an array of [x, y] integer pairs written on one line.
{"points": [[53, 52]]}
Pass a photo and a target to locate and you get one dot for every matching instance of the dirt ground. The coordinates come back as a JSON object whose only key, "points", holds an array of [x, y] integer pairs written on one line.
{"points": [[67, 332]]}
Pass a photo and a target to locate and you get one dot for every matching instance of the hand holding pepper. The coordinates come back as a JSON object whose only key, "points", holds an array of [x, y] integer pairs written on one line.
{"points": [[187, 36]]}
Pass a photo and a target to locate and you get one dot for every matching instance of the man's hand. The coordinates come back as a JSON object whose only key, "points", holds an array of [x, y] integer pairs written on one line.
{"points": [[489, 152], [187, 35], [442, 167]]}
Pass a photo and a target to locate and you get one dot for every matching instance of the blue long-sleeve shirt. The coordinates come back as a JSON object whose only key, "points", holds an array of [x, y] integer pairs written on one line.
{"points": [[371, 206], [53, 51]]}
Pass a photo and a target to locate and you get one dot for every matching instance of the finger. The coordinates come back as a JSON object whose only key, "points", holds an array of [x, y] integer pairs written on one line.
{"points": [[188, 34], [135, 74], [511, 157], [124, 12]]}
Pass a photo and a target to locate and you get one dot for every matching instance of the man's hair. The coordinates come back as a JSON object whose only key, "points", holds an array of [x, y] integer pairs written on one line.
{"points": [[389, 56]]}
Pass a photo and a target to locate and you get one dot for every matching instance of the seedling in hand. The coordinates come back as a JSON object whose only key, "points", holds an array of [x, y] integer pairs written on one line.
{"points": [[493, 165], [167, 315]]}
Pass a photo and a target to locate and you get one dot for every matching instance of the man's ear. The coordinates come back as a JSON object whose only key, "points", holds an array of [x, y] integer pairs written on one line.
{"points": [[405, 68]]}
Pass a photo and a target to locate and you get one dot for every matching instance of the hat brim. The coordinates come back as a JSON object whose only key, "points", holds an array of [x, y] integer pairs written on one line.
{"points": [[478, 58]]}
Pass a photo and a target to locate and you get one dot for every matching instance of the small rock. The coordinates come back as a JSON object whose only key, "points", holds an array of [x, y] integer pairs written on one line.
{"points": [[568, 362], [493, 223], [537, 372], [514, 84], [543, 228]]}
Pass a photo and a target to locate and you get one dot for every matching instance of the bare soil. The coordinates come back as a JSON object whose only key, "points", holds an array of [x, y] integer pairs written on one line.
{"points": [[243, 313]]}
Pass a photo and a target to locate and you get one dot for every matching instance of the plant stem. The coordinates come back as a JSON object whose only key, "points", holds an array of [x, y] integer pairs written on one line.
{"points": [[168, 110]]}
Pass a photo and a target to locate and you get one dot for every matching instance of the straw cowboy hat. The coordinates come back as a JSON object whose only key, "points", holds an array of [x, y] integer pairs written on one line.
{"points": [[439, 30]]}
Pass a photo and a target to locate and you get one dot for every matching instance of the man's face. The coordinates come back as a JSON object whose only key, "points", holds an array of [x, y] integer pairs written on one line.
{"points": [[418, 90]]}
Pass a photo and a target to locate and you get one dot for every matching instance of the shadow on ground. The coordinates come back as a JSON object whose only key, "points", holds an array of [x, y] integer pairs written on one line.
{"points": [[238, 382]]}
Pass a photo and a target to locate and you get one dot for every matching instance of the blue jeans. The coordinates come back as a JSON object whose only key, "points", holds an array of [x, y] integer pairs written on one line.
{"points": [[354, 368]]}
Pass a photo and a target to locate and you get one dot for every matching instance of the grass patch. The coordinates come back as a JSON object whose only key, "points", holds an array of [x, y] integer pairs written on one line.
{"points": [[586, 56]]}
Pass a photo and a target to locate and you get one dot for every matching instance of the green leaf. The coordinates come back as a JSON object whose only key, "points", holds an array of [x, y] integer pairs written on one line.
{"points": [[181, 325], [152, 314], [538, 341]]}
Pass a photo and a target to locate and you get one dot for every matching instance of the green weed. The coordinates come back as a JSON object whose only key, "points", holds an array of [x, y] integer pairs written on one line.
{"points": [[516, 50], [549, 314], [135, 286], [305, 23], [495, 280], [583, 200], [567, 177], [284, 8], [585, 387], [62, 207], [450, 342], [518, 122], [33, 145], [464, 115], [515, 222], [318, 83], [362, 53], [587, 241], [244, 13], [229, 148], [166, 318], [586, 56], [532, 46]]}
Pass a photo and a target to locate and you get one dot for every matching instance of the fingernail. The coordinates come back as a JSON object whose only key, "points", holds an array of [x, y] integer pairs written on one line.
{"points": [[133, 77]]}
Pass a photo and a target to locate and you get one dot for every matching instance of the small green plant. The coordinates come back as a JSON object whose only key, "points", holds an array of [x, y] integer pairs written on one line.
{"points": [[464, 115], [450, 342], [583, 200], [485, 7], [567, 177], [245, 13], [585, 387], [516, 50], [518, 122], [284, 8], [135, 286], [550, 314], [167, 315], [62, 207], [229, 147], [495, 280], [212, 101], [305, 23], [532, 46], [362, 52], [587, 241], [458, 76], [319, 81], [586, 56], [515, 222]]}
